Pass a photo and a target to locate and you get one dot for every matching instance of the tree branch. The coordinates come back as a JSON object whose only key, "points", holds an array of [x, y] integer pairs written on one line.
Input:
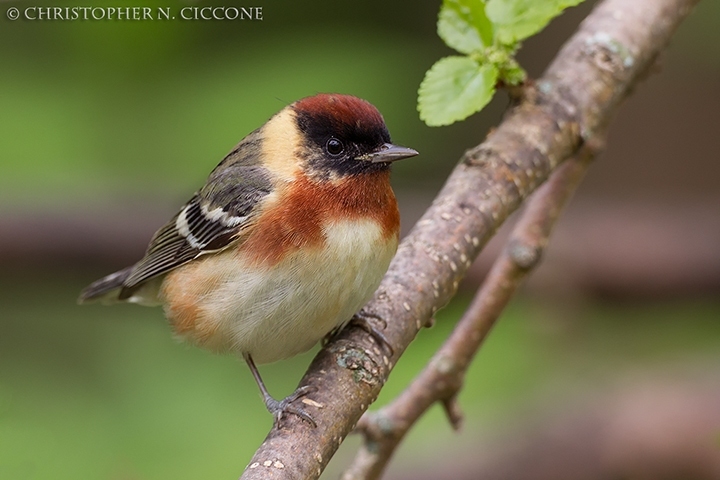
{"points": [[575, 98], [443, 377]]}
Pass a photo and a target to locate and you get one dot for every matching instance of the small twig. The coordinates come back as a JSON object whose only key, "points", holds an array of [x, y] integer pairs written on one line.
{"points": [[442, 378]]}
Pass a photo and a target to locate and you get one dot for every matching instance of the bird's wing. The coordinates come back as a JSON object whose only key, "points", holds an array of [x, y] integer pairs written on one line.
{"points": [[215, 217]]}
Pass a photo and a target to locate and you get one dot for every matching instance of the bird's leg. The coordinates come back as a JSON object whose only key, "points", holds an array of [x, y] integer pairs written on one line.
{"points": [[275, 407]]}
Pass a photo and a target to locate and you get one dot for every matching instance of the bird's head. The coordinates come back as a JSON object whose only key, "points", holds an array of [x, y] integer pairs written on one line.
{"points": [[338, 135]]}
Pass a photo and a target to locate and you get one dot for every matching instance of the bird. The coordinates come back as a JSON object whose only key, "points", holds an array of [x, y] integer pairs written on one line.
{"points": [[289, 237]]}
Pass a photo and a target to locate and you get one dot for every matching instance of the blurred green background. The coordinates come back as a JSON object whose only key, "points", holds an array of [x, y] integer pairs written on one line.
{"points": [[106, 127]]}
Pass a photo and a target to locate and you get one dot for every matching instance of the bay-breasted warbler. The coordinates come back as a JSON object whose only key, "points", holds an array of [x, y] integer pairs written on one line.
{"points": [[289, 237]]}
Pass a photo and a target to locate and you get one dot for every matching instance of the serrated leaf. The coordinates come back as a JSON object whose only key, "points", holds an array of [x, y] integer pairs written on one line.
{"points": [[464, 26], [516, 20], [455, 88]]}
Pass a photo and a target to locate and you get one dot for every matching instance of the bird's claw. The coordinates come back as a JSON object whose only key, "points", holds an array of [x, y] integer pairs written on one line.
{"points": [[361, 320], [278, 408]]}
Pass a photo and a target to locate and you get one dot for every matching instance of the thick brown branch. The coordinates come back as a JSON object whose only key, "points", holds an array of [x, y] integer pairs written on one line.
{"points": [[575, 98], [443, 377]]}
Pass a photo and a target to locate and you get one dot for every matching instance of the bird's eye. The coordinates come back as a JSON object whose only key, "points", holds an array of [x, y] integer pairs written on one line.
{"points": [[334, 146]]}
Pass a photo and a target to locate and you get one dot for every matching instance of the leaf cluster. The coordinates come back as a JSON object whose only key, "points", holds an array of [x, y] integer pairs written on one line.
{"points": [[488, 33]]}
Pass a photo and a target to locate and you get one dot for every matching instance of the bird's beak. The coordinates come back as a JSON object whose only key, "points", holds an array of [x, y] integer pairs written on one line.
{"points": [[388, 153]]}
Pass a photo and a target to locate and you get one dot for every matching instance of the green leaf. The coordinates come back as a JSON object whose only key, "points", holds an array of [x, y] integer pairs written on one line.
{"points": [[455, 88], [463, 25], [516, 20]]}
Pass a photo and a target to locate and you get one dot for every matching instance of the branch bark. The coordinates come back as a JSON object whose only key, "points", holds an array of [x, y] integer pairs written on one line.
{"points": [[575, 99]]}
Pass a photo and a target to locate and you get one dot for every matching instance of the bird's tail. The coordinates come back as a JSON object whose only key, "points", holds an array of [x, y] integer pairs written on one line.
{"points": [[105, 290]]}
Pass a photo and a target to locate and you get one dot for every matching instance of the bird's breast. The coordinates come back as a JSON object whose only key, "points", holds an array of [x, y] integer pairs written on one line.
{"points": [[302, 212]]}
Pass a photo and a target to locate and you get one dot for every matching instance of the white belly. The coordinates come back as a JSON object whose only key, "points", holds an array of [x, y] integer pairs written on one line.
{"points": [[277, 312]]}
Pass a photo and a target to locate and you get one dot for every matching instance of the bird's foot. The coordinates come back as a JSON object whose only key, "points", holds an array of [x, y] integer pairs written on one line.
{"points": [[278, 408]]}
